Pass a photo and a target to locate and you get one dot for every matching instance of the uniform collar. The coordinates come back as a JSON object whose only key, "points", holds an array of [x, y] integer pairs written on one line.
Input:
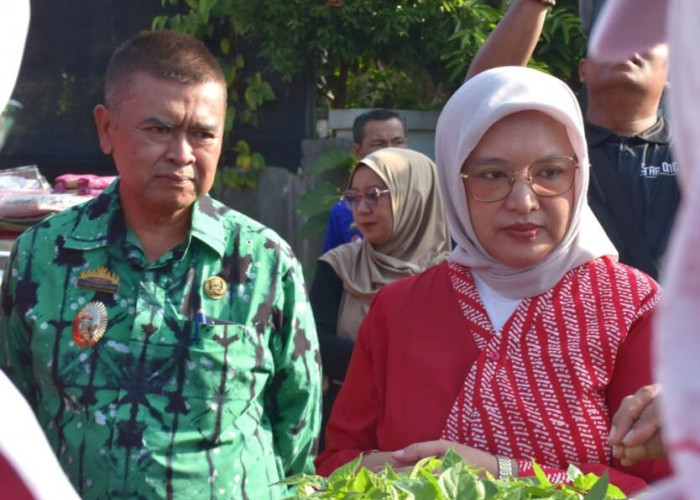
{"points": [[658, 133], [101, 223], [207, 225]]}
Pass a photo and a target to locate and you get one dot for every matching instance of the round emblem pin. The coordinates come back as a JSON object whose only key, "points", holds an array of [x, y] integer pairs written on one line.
{"points": [[215, 287], [90, 324]]}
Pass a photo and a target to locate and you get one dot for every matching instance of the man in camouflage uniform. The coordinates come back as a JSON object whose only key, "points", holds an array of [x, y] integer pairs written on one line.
{"points": [[164, 340]]}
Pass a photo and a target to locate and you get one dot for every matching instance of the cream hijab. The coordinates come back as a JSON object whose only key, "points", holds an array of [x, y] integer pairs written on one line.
{"points": [[476, 106], [420, 236]]}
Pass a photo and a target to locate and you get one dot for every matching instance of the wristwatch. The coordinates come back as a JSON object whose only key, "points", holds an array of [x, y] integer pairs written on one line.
{"points": [[505, 467]]}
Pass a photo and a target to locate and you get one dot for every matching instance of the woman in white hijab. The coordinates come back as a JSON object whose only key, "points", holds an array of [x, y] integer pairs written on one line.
{"points": [[524, 342]]}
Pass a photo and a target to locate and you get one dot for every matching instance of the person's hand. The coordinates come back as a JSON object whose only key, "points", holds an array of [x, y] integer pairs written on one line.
{"points": [[375, 461], [411, 454], [635, 432]]}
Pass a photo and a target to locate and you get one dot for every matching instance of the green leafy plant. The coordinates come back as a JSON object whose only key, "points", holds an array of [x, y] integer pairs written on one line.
{"points": [[448, 479], [213, 22]]}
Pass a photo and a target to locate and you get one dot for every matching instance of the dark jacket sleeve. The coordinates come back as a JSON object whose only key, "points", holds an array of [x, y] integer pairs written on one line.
{"points": [[325, 296]]}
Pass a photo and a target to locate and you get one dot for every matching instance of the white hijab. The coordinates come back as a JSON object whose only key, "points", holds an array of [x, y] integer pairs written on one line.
{"points": [[476, 106]]}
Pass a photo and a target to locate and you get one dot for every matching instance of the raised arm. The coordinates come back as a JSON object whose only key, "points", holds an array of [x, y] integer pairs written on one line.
{"points": [[513, 40]]}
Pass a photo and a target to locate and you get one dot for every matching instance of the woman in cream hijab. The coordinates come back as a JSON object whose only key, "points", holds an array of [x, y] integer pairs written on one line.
{"points": [[523, 343], [396, 204]]}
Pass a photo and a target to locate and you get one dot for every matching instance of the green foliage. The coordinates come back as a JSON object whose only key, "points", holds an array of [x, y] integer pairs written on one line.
{"points": [[448, 479], [560, 47], [409, 54], [562, 44], [213, 22], [316, 203], [366, 53], [468, 35]]}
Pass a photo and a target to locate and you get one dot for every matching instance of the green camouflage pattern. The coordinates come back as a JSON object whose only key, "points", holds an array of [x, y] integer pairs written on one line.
{"points": [[161, 407]]}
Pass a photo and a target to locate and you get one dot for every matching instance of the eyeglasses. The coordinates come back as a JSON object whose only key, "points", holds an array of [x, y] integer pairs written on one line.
{"points": [[372, 196], [493, 180]]}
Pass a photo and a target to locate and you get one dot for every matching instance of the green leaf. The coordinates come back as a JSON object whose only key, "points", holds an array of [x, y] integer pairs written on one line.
{"points": [[342, 476], [242, 147], [266, 91], [230, 116], [459, 483], [599, 489], [251, 97], [314, 226], [159, 22], [420, 488], [615, 492], [225, 45], [540, 475], [243, 161], [452, 459], [319, 199], [257, 161], [582, 482], [335, 158]]}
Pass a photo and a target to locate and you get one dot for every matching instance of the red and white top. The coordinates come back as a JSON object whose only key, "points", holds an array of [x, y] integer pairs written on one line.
{"points": [[538, 388], [428, 365]]}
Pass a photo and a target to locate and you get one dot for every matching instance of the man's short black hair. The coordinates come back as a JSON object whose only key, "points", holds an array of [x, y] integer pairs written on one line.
{"points": [[379, 115], [165, 54]]}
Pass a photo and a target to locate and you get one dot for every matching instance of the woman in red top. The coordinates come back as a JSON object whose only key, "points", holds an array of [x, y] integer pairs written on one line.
{"points": [[521, 346]]}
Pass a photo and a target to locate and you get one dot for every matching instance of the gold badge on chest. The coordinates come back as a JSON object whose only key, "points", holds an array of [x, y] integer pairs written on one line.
{"points": [[215, 287], [90, 324]]}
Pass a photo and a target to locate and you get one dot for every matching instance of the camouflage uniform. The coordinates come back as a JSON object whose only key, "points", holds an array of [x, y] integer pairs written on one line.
{"points": [[169, 403]]}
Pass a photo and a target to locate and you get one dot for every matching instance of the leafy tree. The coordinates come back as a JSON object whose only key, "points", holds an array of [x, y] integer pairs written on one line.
{"points": [[367, 53]]}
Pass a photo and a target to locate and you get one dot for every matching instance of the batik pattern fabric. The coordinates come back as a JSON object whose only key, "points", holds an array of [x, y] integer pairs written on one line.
{"points": [[539, 386], [194, 391]]}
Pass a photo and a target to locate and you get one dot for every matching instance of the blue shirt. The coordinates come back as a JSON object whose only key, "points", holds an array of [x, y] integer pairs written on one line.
{"points": [[341, 228]]}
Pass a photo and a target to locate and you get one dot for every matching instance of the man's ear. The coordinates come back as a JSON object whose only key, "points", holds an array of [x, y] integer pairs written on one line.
{"points": [[103, 121], [356, 149], [582, 70]]}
